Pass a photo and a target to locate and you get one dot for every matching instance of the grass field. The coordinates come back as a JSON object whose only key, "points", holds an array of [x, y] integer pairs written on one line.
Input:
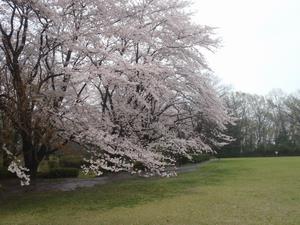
{"points": [[230, 191]]}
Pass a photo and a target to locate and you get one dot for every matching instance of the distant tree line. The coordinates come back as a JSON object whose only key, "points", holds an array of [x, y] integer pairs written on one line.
{"points": [[265, 125]]}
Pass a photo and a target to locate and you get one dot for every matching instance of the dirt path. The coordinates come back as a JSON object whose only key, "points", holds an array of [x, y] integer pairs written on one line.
{"points": [[12, 187]]}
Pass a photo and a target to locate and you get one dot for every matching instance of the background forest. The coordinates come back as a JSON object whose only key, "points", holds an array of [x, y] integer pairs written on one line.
{"points": [[265, 124]]}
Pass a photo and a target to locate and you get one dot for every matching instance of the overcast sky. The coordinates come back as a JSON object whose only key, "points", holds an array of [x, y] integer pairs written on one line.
{"points": [[261, 42]]}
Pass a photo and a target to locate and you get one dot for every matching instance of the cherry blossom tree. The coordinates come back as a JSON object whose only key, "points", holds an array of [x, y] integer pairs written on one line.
{"points": [[127, 80]]}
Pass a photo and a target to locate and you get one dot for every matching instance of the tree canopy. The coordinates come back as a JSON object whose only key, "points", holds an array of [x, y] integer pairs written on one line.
{"points": [[127, 80]]}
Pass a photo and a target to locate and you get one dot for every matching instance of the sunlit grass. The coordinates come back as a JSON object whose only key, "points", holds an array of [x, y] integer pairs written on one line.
{"points": [[232, 191]]}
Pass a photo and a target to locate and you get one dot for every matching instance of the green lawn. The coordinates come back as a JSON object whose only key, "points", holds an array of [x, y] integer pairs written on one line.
{"points": [[230, 191]]}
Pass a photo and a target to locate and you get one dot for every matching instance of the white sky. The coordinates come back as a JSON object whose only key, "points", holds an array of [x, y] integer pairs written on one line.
{"points": [[261, 42]]}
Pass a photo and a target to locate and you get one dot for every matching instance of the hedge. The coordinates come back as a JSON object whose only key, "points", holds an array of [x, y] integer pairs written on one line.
{"points": [[71, 162], [195, 159], [60, 173], [4, 174], [200, 158]]}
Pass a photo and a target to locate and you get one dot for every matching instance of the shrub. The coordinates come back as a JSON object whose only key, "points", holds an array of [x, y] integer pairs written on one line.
{"points": [[195, 159], [200, 158], [4, 174], [71, 162], [52, 164], [60, 173], [182, 160], [139, 166]]}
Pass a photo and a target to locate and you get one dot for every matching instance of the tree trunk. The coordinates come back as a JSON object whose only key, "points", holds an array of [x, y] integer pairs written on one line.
{"points": [[5, 160], [30, 157]]}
